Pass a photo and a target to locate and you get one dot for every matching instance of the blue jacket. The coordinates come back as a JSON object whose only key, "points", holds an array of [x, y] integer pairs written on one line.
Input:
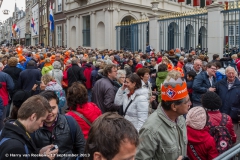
{"points": [[230, 98], [201, 84]]}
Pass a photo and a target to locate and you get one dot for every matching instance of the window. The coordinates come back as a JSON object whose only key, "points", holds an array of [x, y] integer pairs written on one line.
{"points": [[59, 35], [231, 30], [231, 40], [237, 41], [237, 30], [86, 31], [59, 5]]}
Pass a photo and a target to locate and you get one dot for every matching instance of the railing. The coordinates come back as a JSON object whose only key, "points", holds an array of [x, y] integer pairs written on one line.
{"points": [[186, 30], [132, 35], [233, 153]]}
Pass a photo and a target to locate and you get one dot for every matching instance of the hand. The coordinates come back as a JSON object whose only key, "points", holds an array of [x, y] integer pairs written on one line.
{"points": [[180, 158], [212, 89], [51, 154], [34, 87], [124, 86], [42, 86], [153, 98]]}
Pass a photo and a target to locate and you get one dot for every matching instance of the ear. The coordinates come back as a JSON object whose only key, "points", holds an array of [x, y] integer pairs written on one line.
{"points": [[173, 107], [98, 156], [33, 117]]}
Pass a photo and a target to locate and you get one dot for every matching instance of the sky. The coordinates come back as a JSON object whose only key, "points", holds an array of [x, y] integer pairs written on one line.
{"points": [[9, 5]]}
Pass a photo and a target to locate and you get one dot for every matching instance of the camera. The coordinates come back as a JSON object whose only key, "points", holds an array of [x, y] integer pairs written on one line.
{"points": [[38, 83], [55, 147]]}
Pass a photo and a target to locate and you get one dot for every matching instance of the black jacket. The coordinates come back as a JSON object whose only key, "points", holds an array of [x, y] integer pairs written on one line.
{"points": [[28, 78], [15, 145], [103, 94], [14, 72], [61, 136], [75, 74]]}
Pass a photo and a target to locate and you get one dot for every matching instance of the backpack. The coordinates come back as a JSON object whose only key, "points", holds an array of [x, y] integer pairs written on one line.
{"points": [[221, 135], [5, 139], [62, 99]]}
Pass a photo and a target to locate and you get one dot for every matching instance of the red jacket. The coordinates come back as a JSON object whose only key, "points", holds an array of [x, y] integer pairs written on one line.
{"points": [[215, 118], [238, 64], [89, 111], [139, 65], [203, 144], [180, 64]]}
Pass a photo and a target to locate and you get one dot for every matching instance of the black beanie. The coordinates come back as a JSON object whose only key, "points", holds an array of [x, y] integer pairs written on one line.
{"points": [[210, 100], [19, 97]]}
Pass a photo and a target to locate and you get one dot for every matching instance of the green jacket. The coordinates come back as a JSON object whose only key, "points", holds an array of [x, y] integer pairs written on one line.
{"points": [[162, 139], [161, 76]]}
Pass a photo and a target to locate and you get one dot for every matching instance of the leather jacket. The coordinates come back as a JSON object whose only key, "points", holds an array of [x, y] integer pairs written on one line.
{"points": [[61, 136]]}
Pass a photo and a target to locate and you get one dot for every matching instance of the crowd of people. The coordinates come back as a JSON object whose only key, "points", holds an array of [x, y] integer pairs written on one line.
{"points": [[64, 103]]}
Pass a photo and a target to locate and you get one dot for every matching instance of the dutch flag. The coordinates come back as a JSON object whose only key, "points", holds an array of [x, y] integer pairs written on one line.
{"points": [[51, 19], [16, 28], [33, 26]]}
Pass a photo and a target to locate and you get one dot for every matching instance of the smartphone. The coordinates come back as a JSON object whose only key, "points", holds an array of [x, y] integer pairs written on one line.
{"points": [[55, 147], [38, 83]]}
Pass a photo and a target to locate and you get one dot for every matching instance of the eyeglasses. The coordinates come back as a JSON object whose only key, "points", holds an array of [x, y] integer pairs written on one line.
{"points": [[122, 77], [213, 68]]}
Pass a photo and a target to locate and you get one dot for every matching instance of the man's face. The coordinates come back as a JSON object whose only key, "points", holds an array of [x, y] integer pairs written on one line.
{"points": [[153, 62], [36, 124], [197, 65], [130, 63], [57, 57], [231, 75], [52, 116], [211, 71], [184, 107], [113, 74]]}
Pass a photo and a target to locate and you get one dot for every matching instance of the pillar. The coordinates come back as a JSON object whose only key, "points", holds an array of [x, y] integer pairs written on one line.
{"points": [[153, 32], [93, 29], [68, 32], [215, 23], [77, 31]]}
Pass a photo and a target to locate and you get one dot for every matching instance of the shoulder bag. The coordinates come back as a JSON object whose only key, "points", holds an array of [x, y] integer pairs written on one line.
{"points": [[84, 118]]}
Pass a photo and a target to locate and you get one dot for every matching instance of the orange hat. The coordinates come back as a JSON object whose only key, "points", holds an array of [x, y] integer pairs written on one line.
{"points": [[67, 54], [21, 58], [177, 50], [170, 93], [52, 58], [170, 67], [85, 55]]}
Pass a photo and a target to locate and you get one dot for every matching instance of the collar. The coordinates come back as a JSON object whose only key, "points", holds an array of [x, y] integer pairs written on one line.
{"points": [[20, 125], [208, 75], [162, 115], [231, 82]]}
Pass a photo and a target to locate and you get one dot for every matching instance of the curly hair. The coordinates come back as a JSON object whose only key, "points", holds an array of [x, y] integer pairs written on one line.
{"points": [[77, 95], [46, 78], [12, 62]]}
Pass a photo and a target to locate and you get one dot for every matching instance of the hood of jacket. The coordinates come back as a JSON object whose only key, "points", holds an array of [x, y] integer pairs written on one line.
{"points": [[57, 70], [222, 71], [53, 86], [87, 65], [162, 74], [197, 136]]}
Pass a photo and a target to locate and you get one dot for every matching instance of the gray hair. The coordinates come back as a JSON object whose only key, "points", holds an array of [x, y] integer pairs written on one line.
{"points": [[121, 73], [230, 67], [56, 65]]}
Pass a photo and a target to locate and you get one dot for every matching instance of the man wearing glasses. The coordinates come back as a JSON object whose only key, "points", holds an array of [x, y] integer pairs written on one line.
{"points": [[203, 82]]}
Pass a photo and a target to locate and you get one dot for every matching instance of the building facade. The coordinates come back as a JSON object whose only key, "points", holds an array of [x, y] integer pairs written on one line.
{"points": [[35, 20], [60, 24], [93, 23], [21, 23], [28, 19]]}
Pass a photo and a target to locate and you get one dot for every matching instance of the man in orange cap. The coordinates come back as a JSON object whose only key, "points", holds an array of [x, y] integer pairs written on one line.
{"points": [[21, 61], [164, 134]]}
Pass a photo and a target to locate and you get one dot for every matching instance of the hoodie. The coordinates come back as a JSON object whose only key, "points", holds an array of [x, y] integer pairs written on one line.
{"points": [[202, 142], [46, 69], [220, 74]]}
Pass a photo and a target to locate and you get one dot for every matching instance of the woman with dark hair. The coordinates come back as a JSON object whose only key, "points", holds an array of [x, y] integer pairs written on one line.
{"points": [[80, 109], [134, 99]]}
